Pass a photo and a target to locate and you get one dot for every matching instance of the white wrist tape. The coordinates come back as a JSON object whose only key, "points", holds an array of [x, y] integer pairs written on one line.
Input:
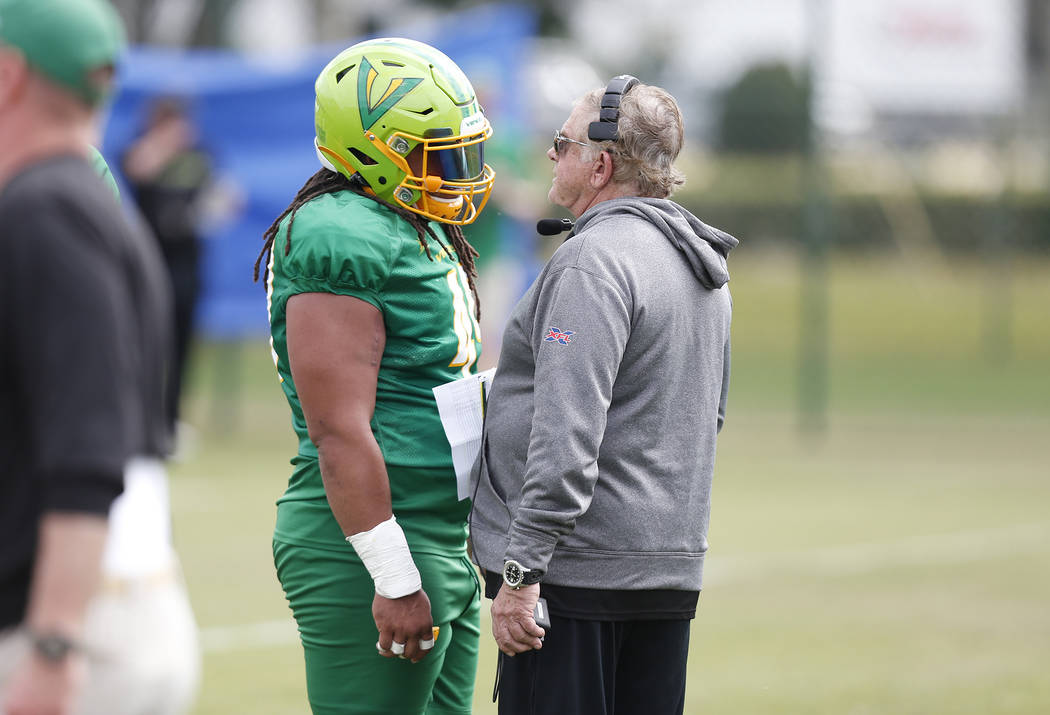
{"points": [[385, 553]]}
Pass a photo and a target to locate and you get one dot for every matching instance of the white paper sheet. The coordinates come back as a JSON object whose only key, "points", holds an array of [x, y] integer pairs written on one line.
{"points": [[461, 405]]}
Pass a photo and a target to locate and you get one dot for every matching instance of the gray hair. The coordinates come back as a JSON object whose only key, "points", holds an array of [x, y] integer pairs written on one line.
{"points": [[651, 134]]}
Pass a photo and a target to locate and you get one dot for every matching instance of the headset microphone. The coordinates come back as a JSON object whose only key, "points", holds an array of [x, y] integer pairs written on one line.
{"points": [[553, 226]]}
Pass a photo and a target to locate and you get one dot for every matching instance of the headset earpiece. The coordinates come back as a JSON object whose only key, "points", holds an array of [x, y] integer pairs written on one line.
{"points": [[605, 128]]}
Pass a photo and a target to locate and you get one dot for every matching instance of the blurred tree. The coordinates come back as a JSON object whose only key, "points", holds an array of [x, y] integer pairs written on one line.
{"points": [[766, 111], [179, 23], [209, 30], [1037, 61], [1036, 27], [552, 15], [203, 23]]}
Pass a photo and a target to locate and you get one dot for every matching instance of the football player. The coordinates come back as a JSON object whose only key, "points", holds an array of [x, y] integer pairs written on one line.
{"points": [[370, 289]]}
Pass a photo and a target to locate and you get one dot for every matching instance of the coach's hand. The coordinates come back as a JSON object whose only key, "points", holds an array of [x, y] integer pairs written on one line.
{"points": [[406, 621], [513, 626]]}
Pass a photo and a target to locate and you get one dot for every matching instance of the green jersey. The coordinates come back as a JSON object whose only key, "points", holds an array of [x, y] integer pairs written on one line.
{"points": [[98, 163], [347, 244]]}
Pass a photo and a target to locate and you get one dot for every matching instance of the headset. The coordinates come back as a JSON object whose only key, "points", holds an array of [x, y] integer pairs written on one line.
{"points": [[605, 128]]}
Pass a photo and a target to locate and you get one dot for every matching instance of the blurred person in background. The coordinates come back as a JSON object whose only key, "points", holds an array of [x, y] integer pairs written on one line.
{"points": [[372, 303], [141, 623], [169, 173], [599, 441], [84, 335]]}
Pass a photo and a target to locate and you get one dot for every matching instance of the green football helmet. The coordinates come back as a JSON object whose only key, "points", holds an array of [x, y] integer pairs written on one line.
{"points": [[405, 118]]}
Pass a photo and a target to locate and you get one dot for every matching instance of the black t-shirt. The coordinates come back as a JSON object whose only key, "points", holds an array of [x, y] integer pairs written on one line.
{"points": [[593, 604], [83, 327], [169, 200]]}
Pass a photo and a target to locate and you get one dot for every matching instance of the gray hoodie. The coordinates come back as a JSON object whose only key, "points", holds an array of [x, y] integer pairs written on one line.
{"points": [[599, 442]]}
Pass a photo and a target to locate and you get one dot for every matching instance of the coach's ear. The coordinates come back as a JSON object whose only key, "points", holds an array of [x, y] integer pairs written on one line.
{"points": [[14, 73], [601, 171]]}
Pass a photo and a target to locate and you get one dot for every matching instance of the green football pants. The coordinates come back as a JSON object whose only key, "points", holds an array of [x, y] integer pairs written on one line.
{"points": [[331, 594]]}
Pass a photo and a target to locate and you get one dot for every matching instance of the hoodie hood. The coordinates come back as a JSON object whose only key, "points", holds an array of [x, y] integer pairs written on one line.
{"points": [[705, 247]]}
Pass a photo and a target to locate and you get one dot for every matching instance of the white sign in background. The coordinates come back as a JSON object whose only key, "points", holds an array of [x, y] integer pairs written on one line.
{"points": [[906, 56], [937, 56]]}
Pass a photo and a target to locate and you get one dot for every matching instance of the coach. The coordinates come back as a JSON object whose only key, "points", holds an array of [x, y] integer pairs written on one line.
{"points": [[594, 484], [82, 299]]}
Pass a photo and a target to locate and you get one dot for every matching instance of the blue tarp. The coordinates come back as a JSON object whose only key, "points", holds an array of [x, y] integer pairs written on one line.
{"points": [[255, 115]]}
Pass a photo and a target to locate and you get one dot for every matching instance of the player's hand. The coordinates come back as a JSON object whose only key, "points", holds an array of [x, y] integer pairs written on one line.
{"points": [[513, 625], [39, 687], [405, 621]]}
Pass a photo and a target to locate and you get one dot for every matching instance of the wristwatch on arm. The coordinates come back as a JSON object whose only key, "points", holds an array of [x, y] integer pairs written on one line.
{"points": [[52, 646], [515, 575]]}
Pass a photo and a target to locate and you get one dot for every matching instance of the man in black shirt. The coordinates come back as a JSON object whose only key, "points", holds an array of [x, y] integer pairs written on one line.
{"points": [[82, 335]]}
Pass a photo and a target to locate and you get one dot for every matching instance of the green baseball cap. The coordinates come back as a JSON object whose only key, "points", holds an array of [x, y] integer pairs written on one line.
{"points": [[67, 41]]}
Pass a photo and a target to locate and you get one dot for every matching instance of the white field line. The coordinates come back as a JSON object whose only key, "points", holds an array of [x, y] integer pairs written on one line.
{"points": [[949, 548], [247, 636]]}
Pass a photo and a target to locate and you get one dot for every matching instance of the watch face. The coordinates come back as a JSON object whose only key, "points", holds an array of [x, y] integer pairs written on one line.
{"points": [[53, 647], [512, 573]]}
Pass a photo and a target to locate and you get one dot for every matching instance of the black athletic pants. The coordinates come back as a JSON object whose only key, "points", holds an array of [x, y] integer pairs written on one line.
{"points": [[599, 668]]}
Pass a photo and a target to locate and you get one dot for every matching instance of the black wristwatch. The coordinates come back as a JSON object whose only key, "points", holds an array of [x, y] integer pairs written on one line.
{"points": [[51, 646], [515, 575]]}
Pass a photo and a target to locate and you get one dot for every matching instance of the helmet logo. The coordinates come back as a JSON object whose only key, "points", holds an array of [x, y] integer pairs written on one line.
{"points": [[398, 88]]}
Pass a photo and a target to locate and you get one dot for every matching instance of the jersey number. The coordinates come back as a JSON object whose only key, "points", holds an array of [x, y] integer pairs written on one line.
{"points": [[468, 332]]}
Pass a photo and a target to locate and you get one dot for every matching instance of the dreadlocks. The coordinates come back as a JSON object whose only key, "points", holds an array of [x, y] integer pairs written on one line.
{"points": [[327, 182]]}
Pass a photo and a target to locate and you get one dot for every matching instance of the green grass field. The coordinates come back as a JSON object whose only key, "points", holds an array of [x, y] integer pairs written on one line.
{"points": [[896, 562]]}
